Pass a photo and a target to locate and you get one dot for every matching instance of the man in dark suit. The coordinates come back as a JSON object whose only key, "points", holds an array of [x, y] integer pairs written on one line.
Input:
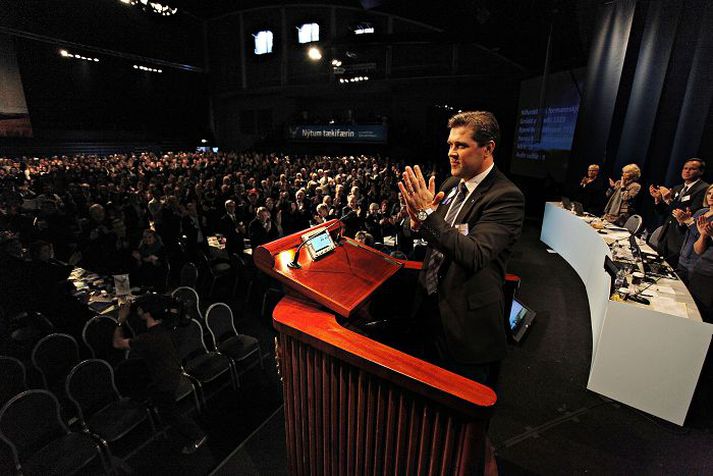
{"points": [[262, 229], [591, 192], [470, 225], [231, 228], [687, 197]]}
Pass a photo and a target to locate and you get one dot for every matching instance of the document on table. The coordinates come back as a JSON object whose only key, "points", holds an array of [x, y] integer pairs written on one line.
{"points": [[670, 306], [664, 289]]}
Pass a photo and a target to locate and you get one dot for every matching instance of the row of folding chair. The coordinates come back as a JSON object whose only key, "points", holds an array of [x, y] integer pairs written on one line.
{"points": [[229, 349], [41, 442], [218, 326], [214, 270]]}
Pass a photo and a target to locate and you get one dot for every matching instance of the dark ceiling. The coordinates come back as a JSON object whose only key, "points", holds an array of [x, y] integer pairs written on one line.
{"points": [[517, 29]]}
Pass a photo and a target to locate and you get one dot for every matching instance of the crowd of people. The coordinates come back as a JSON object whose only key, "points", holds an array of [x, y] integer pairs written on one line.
{"points": [[686, 215], [147, 214]]}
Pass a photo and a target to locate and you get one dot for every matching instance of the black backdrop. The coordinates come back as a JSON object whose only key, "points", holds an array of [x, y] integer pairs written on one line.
{"points": [[648, 91]]}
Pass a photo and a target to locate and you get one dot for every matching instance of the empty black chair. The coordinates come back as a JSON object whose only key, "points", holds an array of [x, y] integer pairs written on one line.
{"points": [[41, 443], [243, 276], [200, 364], [215, 269], [189, 275], [633, 224], [14, 378], [188, 297], [54, 356], [98, 334], [25, 330], [101, 409], [219, 319], [655, 237]]}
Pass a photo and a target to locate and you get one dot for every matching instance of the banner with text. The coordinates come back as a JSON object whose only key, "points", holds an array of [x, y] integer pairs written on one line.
{"points": [[372, 134]]}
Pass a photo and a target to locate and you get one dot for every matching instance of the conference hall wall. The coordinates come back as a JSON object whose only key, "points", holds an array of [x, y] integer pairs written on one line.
{"points": [[255, 97], [75, 100]]}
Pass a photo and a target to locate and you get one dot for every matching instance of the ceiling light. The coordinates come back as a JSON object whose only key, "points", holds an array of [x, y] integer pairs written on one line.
{"points": [[63, 53], [314, 54]]}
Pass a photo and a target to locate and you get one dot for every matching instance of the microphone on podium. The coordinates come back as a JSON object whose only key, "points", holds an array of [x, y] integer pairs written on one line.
{"points": [[294, 263]]}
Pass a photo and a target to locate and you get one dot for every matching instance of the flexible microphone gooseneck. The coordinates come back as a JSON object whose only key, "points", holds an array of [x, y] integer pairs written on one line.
{"points": [[294, 263]]}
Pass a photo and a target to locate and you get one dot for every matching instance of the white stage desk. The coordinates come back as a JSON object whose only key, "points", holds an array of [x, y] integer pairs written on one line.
{"points": [[646, 358]]}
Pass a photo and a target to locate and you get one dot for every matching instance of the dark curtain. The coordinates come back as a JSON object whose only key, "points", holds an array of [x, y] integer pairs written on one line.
{"points": [[648, 93]]}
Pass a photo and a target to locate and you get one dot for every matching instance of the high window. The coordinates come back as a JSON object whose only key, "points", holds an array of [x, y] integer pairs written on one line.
{"points": [[263, 42], [364, 29], [308, 33]]}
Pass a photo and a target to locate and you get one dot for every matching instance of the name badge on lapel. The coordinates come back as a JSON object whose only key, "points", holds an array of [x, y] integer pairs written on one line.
{"points": [[685, 198], [462, 228]]}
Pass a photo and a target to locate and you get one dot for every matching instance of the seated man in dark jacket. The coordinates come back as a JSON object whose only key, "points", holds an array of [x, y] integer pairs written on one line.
{"points": [[156, 348], [262, 229]]}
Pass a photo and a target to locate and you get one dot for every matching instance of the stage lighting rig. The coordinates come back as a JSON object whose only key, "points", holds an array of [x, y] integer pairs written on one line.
{"points": [[67, 54], [147, 69]]}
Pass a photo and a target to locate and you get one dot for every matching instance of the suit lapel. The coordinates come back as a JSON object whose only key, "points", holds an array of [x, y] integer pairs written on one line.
{"points": [[448, 185], [476, 195]]}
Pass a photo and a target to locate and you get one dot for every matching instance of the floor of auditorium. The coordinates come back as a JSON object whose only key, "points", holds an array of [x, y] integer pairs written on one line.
{"points": [[546, 421]]}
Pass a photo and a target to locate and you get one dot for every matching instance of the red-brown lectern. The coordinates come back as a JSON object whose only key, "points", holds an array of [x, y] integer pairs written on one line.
{"points": [[353, 405]]}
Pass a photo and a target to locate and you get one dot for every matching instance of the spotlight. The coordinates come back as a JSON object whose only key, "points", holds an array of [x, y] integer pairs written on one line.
{"points": [[64, 53], [314, 54], [128, 2], [203, 141]]}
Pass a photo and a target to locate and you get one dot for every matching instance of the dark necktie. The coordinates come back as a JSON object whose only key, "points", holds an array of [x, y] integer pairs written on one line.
{"points": [[436, 259]]}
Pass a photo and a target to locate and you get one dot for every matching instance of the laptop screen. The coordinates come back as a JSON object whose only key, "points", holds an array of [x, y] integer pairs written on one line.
{"points": [[517, 314]]}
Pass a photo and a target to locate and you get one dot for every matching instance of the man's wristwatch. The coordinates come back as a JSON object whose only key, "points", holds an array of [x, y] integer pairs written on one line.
{"points": [[422, 214]]}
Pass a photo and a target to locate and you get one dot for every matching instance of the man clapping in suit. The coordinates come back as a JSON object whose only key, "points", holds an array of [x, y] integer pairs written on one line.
{"points": [[471, 225], [687, 197]]}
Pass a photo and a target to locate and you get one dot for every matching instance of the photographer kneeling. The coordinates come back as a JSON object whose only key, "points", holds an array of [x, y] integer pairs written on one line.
{"points": [[156, 348]]}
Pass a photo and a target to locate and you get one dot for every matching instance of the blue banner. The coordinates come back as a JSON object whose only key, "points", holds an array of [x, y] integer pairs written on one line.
{"points": [[374, 134]]}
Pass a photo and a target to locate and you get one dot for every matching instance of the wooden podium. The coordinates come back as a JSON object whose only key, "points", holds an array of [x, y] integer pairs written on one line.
{"points": [[354, 405]]}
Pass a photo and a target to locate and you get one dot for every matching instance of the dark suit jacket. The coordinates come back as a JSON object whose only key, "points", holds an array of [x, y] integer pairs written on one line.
{"points": [[470, 287], [258, 234], [671, 238], [234, 241], [593, 196]]}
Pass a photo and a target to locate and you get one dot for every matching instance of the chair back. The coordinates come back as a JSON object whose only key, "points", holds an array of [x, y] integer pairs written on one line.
{"points": [[90, 386], [633, 224], [29, 421], [189, 275], [241, 267], [54, 356], [219, 319], [14, 378], [190, 300], [189, 341], [655, 238], [98, 334]]}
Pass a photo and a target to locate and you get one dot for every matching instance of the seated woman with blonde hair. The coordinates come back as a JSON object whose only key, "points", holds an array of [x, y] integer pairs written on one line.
{"points": [[621, 195]]}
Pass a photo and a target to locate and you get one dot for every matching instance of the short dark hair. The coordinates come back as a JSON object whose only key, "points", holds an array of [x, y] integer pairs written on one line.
{"points": [[483, 124], [155, 304], [701, 162]]}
